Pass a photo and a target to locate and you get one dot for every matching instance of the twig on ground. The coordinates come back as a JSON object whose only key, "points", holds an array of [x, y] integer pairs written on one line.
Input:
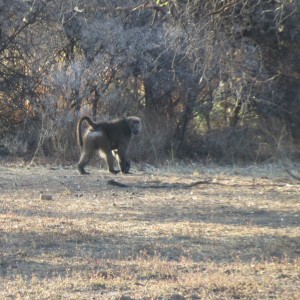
{"points": [[116, 183]]}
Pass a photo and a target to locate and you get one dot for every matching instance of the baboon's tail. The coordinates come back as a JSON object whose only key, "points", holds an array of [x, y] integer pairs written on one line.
{"points": [[79, 132]]}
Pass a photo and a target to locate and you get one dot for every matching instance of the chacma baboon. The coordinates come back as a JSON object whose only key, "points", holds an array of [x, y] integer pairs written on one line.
{"points": [[112, 138]]}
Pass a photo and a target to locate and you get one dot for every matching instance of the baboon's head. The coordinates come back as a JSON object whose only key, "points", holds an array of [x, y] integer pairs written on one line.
{"points": [[134, 124]]}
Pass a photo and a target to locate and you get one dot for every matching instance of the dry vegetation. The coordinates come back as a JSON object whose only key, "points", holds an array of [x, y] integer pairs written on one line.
{"points": [[237, 237]]}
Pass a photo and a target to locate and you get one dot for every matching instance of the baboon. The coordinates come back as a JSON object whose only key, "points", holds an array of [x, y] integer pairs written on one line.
{"points": [[112, 138]]}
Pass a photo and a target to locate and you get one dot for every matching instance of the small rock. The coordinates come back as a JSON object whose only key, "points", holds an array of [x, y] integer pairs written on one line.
{"points": [[124, 297], [46, 197]]}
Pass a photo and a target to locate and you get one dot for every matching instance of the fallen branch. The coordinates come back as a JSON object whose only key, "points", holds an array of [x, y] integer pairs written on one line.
{"points": [[292, 174], [116, 183], [142, 6]]}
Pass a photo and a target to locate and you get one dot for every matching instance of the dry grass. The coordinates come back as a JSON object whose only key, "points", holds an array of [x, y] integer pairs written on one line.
{"points": [[235, 238]]}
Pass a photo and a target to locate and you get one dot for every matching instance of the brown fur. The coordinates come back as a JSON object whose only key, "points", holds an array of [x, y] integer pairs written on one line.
{"points": [[108, 136]]}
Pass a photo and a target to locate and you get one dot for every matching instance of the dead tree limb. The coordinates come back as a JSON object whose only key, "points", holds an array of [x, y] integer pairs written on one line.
{"points": [[142, 6], [116, 183], [292, 174]]}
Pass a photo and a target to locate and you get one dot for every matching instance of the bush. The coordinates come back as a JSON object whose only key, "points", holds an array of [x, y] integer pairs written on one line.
{"points": [[232, 145]]}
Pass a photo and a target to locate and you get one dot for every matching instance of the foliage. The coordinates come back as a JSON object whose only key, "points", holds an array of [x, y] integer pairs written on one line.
{"points": [[192, 66]]}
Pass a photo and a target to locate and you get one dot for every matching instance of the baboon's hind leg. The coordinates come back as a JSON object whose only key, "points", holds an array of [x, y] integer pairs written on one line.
{"points": [[110, 162], [84, 160]]}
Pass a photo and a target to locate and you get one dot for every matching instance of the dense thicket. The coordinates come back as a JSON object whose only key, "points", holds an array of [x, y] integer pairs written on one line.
{"points": [[210, 79]]}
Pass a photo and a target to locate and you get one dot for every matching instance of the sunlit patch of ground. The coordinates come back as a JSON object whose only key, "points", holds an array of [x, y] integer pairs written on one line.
{"points": [[236, 237]]}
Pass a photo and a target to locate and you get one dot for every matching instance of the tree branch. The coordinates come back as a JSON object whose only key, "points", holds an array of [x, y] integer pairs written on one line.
{"points": [[292, 174], [116, 183], [223, 8], [142, 6]]}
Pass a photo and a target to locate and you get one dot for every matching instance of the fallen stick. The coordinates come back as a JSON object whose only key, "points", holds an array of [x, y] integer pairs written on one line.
{"points": [[116, 183]]}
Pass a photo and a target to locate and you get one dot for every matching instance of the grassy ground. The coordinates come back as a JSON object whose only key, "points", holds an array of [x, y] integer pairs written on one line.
{"points": [[236, 237]]}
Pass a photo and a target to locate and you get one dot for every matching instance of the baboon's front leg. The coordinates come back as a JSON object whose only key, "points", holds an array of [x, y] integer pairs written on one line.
{"points": [[123, 162]]}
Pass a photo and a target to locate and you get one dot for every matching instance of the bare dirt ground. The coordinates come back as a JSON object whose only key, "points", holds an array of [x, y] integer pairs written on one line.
{"points": [[235, 237]]}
